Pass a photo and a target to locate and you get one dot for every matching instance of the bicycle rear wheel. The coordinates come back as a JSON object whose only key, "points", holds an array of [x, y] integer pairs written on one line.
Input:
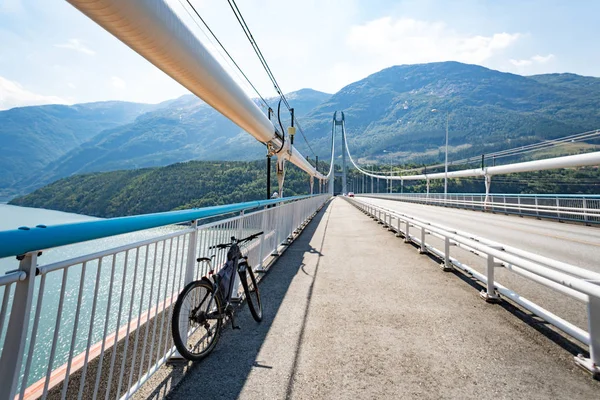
{"points": [[252, 294], [202, 317]]}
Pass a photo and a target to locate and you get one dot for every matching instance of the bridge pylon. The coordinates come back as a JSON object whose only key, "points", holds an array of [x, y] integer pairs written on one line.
{"points": [[341, 123]]}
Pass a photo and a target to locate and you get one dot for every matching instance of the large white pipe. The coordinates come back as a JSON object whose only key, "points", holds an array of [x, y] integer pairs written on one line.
{"points": [[152, 29], [577, 160]]}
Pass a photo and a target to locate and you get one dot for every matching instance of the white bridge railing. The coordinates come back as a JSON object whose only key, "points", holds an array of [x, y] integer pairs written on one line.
{"points": [[99, 324], [578, 283], [580, 208]]}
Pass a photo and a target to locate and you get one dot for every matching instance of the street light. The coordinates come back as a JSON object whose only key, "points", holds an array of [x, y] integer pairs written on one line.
{"points": [[390, 180], [446, 162]]}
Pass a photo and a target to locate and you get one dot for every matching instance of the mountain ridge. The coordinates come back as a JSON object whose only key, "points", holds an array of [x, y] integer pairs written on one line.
{"points": [[387, 110]]}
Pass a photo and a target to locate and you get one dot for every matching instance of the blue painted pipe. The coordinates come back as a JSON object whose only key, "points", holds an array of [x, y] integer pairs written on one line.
{"points": [[23, 240]]}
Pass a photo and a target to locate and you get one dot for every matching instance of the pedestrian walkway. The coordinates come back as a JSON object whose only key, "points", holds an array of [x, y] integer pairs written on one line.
{"points": [[351, 312]]}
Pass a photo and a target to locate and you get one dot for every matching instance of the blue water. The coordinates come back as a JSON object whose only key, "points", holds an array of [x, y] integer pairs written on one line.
{"points": [[12, 217]]}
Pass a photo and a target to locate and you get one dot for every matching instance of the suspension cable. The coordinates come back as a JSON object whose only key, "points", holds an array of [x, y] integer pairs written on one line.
{"points": [[224, 49], [263, 61]]}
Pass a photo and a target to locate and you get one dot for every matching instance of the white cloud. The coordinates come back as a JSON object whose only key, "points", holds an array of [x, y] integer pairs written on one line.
{"points": [[386, 41], [543, 59], [77, 45], [537, 59], [117, 82], [12, 94], [71, 85], [412, 41]]}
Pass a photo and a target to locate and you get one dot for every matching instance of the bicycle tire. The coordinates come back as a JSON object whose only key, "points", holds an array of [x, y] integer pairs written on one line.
{"points": [[252, 293], [201, 292]]}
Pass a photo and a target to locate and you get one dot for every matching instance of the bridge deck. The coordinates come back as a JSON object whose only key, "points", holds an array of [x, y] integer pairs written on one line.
{"points": [[352, 312]]}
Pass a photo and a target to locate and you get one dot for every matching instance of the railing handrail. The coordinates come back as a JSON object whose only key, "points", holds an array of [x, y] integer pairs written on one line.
{"points": [[542, 208], [587, 196], [24, 240], [571, 269]]}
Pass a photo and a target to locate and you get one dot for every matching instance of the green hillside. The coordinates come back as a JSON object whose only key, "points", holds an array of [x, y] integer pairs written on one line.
{"points": [[182, 185]]}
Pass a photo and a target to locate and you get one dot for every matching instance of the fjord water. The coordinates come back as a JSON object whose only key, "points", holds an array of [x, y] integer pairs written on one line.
{"points": [[12, 217]]}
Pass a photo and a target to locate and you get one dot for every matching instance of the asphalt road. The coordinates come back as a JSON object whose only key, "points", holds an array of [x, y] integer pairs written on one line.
{"points": [[571, 243], [351, 312]]}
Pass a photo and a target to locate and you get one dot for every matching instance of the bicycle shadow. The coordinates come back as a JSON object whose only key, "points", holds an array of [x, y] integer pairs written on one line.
{"points": [[224, 372]]}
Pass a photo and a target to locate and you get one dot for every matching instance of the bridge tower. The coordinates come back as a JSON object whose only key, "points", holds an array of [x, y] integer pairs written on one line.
{"points": [[341, 123]]}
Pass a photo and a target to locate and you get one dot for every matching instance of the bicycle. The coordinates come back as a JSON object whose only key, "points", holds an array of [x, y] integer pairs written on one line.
{"points": [[205, 303]]}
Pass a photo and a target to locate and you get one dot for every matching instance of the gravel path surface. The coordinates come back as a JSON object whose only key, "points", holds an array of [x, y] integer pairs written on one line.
{"points": [[352, 312]]}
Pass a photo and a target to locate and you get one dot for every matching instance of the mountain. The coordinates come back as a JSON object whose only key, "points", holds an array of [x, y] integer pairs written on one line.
{"points": [[149, 190], [388, 110], [489, 110], [184, 129], [32, 137]]}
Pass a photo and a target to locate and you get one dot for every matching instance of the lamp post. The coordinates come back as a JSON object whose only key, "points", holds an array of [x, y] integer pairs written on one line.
{"points": [[446, 161]]}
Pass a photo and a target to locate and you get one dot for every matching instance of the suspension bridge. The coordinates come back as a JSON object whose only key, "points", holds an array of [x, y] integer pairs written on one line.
{"points": [[379, 295]]}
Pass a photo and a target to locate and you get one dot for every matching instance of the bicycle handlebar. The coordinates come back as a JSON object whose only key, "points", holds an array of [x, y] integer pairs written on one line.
{"points": [[235, 241]]}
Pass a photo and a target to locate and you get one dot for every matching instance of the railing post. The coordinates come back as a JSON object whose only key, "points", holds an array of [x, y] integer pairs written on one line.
{"points": [[557, 208], [235, 296], [407, 233], [585, 216], [592, 364], [537, 210], [190, 266], [263, 228], [488, 184], [490, 294], [18, 324], [192, 253], [423, 249], [447, 265]]}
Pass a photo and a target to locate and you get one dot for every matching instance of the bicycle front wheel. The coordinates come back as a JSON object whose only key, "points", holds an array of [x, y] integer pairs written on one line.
{"points": [[252, 294], [197, 321]]}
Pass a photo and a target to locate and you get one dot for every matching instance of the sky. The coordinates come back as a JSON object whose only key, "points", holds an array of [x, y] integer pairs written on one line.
{"points": [[51, 53]]}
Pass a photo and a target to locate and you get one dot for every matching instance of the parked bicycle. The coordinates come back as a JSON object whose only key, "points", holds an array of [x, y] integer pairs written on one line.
{"points": [[203, 305]]}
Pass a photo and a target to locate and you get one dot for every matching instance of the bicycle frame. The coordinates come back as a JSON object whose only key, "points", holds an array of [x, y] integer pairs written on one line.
{"points": [[234, 255]]}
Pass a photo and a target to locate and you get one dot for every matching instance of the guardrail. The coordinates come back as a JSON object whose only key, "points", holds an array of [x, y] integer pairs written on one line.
{"points": [[579, 208], [99, 325], [578, 283]]}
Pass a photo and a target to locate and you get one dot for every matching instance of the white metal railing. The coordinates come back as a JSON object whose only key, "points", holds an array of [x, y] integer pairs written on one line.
{"points": [[578, 283], [99, 324], [580, 208]]}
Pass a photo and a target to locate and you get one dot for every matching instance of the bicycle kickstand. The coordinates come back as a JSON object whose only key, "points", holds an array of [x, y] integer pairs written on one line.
{"points": [[232, 318]]}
